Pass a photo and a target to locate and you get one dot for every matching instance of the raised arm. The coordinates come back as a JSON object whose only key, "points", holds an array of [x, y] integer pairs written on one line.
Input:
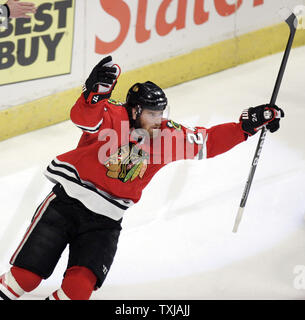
{"points": [[87, 113]]}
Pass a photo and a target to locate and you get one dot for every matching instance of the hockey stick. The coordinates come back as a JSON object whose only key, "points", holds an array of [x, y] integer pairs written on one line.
{"points": [[292, 23]]}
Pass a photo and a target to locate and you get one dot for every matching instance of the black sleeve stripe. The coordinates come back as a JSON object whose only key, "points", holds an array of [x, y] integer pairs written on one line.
{"points": [[68, 168], [61, 174]]}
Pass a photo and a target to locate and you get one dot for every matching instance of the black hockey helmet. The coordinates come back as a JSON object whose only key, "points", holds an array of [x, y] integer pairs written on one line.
{"points": [[147, 95]]}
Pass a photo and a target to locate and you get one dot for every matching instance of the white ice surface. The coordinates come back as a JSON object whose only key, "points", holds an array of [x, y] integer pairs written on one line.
{"points": [[177, 242]]}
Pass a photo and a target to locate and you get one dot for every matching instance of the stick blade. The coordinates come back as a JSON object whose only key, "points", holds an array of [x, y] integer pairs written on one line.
{"points": [[238, 219]]}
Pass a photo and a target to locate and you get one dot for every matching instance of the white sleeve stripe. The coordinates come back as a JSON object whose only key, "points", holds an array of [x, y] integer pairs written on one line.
{"points": [[63, 170], [90, 129], [204, 148], [202, 154]]}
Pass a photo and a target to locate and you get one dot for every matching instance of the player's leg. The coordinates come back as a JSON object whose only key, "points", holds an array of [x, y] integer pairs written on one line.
{"points": [[39, 251], [91, 256], [16, 282], [78, 284]]}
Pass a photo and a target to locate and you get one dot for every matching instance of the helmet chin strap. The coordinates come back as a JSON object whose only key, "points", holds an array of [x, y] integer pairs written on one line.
{"points": [[138, 111]]}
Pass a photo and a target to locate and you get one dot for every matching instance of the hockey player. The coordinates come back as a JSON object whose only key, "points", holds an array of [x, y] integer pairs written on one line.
{"points": [[121, 148]]}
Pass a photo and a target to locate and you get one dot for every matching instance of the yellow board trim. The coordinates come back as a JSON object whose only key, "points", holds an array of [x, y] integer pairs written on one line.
{"points": [[198, 63]]}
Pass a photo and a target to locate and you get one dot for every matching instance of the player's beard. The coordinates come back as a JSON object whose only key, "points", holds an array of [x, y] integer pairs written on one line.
{"points": [[153, 130]]}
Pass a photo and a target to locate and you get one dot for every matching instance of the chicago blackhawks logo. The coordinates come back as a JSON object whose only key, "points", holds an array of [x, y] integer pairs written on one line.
{"points": [[127, 163]]}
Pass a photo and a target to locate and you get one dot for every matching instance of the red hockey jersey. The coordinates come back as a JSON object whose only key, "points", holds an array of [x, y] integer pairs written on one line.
{"points": [[113, 163]]}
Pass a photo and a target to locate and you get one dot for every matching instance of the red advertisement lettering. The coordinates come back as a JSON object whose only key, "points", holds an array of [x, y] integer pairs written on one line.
{"points": [[224, 9], [200, 16], [162, 27], [258, 2], [142, 34], [119, 10]]}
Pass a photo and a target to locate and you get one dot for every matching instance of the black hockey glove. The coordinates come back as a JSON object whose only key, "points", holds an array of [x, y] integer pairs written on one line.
{"points": [[101, 81], [253, 119]]}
